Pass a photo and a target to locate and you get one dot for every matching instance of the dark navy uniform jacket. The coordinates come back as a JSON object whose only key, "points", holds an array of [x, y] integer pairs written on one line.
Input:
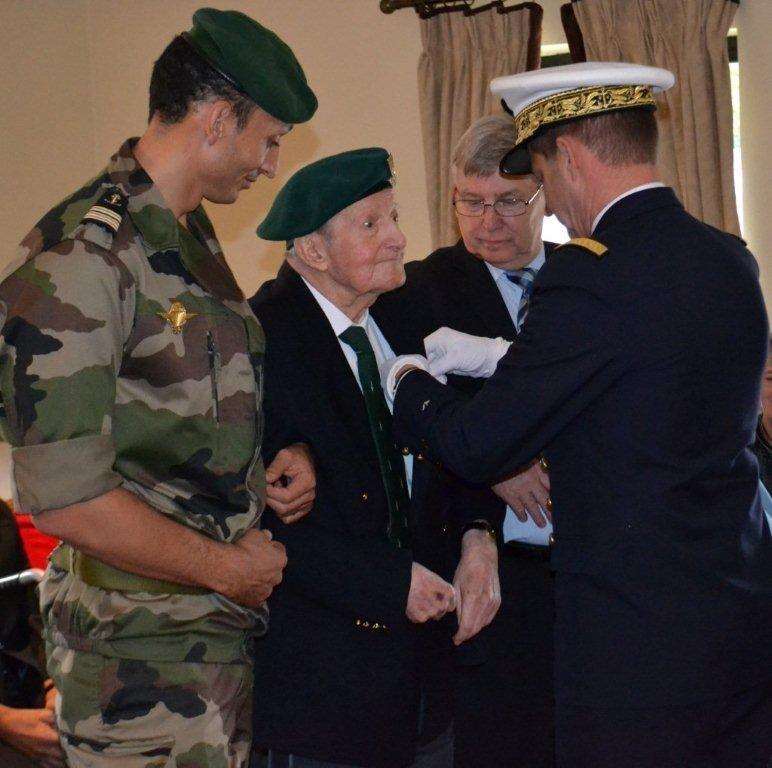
{"points": [[638, 376]]}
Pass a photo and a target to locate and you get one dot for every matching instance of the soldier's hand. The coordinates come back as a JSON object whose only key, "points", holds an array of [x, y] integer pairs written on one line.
{"points": [[291, 483], [528, 493], [253, 567], [477, 584], [33, 733], [430, 596], [451, 351]]}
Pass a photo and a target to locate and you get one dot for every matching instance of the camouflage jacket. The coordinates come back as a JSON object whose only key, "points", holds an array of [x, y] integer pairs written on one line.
{"points": [[129, 357]]}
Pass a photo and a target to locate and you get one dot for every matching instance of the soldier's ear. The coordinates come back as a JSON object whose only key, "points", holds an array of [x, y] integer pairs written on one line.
{"points": [[217, 117], [312, 251], [568, 155]]}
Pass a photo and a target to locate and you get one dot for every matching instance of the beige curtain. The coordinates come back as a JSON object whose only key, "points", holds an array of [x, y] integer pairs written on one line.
{"points": [[461, 54], [688, 37]]}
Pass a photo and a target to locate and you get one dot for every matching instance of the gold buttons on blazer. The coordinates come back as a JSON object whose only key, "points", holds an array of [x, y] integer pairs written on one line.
{"points": [[375, 626], [552, 539], [544, 463], [364, 496]]}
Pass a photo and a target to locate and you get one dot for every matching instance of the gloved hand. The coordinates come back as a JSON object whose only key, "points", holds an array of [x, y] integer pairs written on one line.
{"points": [[390, 368], [450, 351]]}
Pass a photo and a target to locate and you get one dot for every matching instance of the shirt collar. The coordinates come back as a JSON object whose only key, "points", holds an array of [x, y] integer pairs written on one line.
{"points": [[535, 265], [338, 319], [160, 229], [145, 203], [650, 185]]}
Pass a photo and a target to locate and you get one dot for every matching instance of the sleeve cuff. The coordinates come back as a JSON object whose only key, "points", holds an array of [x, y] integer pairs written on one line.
{"points": [[54, 475]]}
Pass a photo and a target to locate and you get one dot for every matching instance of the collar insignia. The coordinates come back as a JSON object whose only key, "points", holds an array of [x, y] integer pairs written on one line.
{"points": [[392, 172]]}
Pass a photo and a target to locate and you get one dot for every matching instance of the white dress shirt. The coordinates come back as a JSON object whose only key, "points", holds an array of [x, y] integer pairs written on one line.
{"points": [[527, 532], [381, 349]]}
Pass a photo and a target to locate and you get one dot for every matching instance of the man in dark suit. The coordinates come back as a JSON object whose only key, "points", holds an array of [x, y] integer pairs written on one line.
{"points": [[504, 699], [356, 670], [638, 376]]}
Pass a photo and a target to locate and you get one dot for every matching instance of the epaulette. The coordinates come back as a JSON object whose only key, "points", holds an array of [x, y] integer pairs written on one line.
{"points": [[588, 244], [108, 211]]}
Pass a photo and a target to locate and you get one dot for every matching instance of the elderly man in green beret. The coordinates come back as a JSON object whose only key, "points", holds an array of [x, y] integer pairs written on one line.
{"points": [[356, 669], [131, 370]]}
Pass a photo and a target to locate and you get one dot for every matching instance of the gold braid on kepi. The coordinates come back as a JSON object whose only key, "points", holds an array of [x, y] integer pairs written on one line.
{"points": [[546, 97], [581, 102]]}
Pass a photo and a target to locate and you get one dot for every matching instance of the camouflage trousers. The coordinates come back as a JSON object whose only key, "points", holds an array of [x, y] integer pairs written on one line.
{"points": [[120, 713]]}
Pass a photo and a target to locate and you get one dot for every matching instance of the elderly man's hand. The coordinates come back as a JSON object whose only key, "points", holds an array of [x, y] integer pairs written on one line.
{"points": [[33, 733], [450, 351], [528, 494], [430, 596], [477, 584], [291, 483]]}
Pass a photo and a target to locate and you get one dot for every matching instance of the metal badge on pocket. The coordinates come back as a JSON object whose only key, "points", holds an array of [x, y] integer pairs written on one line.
{"points": [[177, 316]]}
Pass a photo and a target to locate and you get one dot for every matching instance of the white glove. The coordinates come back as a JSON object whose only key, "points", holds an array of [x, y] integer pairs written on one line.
{"points": [[390, 368], [450, 351]]}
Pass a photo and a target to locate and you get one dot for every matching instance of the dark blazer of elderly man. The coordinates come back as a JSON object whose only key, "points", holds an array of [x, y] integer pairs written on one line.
{"points": [[356, 670]]}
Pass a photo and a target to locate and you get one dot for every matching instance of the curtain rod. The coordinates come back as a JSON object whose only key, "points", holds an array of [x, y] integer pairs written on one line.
{"points": [[428, 8]]}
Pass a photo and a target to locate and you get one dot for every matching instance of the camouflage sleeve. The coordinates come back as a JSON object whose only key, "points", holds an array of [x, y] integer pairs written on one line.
{"points": [[67, 313]]}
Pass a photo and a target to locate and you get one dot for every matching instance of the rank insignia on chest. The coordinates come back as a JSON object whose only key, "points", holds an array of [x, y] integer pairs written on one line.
{"points": [[177, 316]]}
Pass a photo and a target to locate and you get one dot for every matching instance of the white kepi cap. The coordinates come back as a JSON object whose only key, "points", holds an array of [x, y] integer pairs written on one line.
{"points": [[545, 97]]}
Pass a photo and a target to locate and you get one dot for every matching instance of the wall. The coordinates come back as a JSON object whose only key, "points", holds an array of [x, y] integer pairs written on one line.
{"points": [[73, 81], [75, 76], [754, 25]]}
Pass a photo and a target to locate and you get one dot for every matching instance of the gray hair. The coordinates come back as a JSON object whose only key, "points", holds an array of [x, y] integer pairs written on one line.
{"points": [[483, 144]]}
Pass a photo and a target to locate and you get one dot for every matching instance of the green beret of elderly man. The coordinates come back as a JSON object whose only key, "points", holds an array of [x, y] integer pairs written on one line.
{"points": [[134, 366], [371, 568]]}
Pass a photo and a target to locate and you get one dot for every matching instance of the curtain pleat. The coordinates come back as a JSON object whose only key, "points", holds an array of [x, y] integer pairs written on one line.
{"points": [[461, 55], [688, 37]]}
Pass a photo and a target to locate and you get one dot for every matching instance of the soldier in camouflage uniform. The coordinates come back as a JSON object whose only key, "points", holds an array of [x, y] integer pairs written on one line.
{"points": [[131, 383]]}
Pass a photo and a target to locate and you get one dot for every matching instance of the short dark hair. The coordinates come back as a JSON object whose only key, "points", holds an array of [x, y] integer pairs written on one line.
{"points": [[181, 77], [623, 137]]}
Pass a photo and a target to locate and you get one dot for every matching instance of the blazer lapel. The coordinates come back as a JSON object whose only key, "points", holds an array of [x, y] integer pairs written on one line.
{"points": [[326, 370], [481, 296]]}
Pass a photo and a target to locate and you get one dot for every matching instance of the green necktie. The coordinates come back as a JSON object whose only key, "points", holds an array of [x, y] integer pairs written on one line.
{"points": [[389, 458]]}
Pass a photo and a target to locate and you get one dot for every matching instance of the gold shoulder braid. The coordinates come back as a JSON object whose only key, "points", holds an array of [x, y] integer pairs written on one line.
{"points": [[588, 244]]}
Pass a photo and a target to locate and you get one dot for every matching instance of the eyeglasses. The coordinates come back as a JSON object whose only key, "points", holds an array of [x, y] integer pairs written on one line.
{"points": [[505, 208]]}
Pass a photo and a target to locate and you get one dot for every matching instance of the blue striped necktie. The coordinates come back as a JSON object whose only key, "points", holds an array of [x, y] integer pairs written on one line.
{"points": [[524, 279]]}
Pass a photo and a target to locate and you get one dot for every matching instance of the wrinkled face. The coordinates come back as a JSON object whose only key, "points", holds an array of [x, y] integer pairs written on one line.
{"points": [[244, 154], [508, 242], [365, 247]]}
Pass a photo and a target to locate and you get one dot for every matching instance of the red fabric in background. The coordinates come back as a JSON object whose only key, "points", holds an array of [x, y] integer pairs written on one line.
{"points": [[37, 545]]}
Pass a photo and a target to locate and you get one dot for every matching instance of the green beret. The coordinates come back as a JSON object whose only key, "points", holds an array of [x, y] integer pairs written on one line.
{"points": [[315, 193], [255, 61]]}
